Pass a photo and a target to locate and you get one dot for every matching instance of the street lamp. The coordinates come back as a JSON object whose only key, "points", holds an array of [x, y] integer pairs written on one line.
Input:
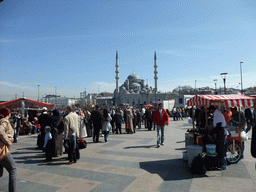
{"points": [[38, 93], [241, 77], [224, 80], [215, 85], [195, 85]]}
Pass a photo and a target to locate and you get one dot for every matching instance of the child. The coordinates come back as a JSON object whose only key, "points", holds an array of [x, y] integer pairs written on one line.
{"points": [[72, 146], [48, 147], [36, 125]]}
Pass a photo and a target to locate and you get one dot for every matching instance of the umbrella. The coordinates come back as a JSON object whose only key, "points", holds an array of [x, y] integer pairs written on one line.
{"points": [[148, 105]]}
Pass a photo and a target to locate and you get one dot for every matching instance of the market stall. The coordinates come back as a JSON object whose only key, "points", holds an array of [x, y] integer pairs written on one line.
{"points": [[24, 104], [195, 138]]}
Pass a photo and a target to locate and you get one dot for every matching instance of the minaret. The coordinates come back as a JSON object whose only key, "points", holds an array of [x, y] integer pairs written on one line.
{"points": [[117, 73], [155, 66]]}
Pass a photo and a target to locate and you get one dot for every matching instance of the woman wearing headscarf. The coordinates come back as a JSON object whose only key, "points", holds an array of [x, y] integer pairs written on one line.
{"points": [[56, 131], [6, 136]]}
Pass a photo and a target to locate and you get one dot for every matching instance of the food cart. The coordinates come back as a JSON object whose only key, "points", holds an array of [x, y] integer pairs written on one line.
{"points": [[234, 139]]}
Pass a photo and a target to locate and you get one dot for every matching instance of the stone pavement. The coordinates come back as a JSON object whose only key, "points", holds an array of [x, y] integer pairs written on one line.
{"points": [[127, 162]]}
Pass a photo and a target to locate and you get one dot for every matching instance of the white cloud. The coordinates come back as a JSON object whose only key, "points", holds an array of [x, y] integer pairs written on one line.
{"points": [[232, 80], [8, 84], [6, 40], [172, 52], [104, 86]]}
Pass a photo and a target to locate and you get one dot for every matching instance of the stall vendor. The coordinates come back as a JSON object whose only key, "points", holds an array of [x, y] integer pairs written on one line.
{"points": [[219, 124], [235, 119], [238, 123]]}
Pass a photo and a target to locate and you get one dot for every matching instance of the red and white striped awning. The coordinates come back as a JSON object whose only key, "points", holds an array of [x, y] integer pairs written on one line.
{"points": [[229, 100]]}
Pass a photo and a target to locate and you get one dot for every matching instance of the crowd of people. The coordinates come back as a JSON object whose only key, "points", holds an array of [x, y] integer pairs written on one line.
{"points": [[63, 127]]}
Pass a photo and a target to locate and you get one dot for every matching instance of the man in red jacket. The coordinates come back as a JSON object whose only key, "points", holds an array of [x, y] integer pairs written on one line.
{"points": [[161, 118]]}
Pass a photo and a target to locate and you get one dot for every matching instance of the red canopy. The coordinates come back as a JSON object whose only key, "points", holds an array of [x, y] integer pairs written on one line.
{"points": [[229, 100], [17, 103]]}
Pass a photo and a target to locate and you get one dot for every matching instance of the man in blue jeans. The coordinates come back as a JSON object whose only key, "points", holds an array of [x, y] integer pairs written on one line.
{"points": [[160, 118]]}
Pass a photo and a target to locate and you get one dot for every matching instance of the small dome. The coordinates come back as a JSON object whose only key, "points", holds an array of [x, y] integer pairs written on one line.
{"points": [[131, 91], [133, 76], [134, 85]]}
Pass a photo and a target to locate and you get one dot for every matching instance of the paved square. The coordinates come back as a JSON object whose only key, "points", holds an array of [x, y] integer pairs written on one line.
{"points": [[127, 162]]}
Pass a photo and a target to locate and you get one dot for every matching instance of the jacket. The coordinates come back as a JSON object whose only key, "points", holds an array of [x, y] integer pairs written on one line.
{"points": [[158, 120], [6, 132], [6, 135], [71, 120]]}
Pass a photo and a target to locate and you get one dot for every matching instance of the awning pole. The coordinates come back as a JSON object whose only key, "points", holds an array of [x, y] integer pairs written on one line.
{"points": [[205, 111], [22, 108], [193, 117]]}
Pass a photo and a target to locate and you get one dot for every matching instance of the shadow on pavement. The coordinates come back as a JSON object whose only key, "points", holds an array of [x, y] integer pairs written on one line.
{"points": [[180, 141], [29, 148], [143, 146], [169, 170], [181, 149]]}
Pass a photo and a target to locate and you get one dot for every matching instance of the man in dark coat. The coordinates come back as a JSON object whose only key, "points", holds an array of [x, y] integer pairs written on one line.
{"points": [[250, 119], [150, 118], [139, 118], [118, 120], [96, 118], [146, 117], [44, 120]]}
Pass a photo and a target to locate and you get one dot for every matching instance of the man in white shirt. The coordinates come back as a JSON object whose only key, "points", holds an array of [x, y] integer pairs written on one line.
{"points": [[219, 124]]}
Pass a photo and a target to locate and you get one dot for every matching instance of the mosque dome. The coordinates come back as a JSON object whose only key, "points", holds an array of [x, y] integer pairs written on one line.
{"points": [[133, 76], [135, 85]]}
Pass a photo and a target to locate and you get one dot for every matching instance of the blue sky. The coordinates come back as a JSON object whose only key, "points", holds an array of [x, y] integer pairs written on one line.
{"points": [[71, 45]]}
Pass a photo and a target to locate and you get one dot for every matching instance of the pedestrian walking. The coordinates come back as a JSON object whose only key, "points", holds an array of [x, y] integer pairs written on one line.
{"points": [[96, 118], [161, 118], [118, 120], [73, 151], [150, 119], [48, 147], [106, 126], [6, 160]]}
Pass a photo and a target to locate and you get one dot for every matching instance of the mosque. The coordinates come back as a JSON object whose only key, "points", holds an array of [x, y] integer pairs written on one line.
{"points": [[135, 92]]}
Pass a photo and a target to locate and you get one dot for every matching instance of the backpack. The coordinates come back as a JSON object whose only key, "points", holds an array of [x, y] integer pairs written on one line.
{"points": [[198, 165]]}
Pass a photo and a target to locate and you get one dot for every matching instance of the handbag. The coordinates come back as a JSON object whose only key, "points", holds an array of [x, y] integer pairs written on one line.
{"points": [[4, 151], [81, 143], [65, 143]]}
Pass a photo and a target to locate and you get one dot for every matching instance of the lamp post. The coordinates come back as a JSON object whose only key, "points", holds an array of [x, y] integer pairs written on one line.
{"points": [[215, 85], [241, 77], [195, 85], [224, 80], [38, 92]]}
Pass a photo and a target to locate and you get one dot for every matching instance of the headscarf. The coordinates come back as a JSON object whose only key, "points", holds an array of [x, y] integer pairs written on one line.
{"points": [[4, 112]]}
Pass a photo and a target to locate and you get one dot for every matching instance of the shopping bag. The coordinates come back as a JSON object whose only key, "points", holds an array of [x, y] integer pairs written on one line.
{"points": [[253, 142], [81, 143]]}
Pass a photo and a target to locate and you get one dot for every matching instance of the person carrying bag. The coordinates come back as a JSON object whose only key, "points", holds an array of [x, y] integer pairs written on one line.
{"points": [[6, 160]]}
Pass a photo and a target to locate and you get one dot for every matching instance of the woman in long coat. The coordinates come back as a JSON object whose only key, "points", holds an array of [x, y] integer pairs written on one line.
{"points": [[88, 123], [56, 131], [82, 125], [106, 126], [129, 120]]}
